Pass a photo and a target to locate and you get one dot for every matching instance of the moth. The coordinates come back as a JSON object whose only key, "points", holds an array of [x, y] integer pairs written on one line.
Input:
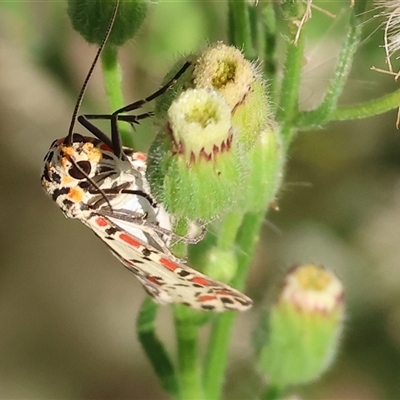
{"points": [[103, 184]]}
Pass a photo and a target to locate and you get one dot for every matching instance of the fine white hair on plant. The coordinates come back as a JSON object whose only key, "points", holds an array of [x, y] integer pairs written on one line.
{"points": [[391, 10], [307, 15]]}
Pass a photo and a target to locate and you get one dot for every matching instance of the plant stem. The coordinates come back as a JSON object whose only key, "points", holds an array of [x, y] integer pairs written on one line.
{"points": [[239, 27], [187, 323], [217, 351], [288, 106], [323, 113], [113, 85], [186, 326], [228, 230], [369, 108], [216, 357], [153, 347], [270, 59]]}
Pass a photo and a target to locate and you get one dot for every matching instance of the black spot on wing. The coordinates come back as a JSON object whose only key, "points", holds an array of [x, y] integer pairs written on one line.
{"points": [[183, 273], [111, 230], [146, 252], [45, 175], [59, 192], [207, 307], [227, 300], [136, 261], [49, 155], [179, 284], [68, 203], [243, 302], [56, 177]]}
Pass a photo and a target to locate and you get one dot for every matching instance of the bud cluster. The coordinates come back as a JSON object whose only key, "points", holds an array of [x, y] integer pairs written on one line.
{"points": [[217, 149]]}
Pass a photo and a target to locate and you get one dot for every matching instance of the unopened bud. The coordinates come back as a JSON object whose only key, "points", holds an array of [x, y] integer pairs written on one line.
{"points": [[92, 17], [304, 327], [221, 264], [224, 69], [193, 168], [265, 163]]}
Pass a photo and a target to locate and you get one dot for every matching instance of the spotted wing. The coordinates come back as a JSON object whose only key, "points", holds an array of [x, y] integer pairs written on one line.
{"points": [[167, 281]]}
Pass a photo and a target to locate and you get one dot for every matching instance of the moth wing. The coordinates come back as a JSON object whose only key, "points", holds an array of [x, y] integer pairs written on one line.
{"points": [[166, 280]]}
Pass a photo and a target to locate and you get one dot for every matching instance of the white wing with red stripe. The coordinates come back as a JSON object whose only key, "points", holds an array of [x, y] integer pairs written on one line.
{"points": [[165, 280]]}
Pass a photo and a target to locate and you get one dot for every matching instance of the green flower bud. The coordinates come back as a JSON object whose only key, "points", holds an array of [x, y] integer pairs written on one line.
{"points": [[224, 69], [221, 264], [92, 17], [193, 168], [264, 178], [304, 327], [200, 124]]}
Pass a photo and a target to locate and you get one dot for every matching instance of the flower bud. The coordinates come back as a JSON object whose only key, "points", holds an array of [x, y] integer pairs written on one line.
{"points": [[304, 327], [192, 166], [224, 69], [200, 124], [221, 264], [265, 171], [92, 17]]}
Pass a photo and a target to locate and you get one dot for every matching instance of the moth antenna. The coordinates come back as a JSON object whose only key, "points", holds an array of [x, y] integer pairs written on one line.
{"points": [[68, 139]]}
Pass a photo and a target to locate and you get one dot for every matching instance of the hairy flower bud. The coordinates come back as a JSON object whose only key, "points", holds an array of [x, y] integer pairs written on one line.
{"points": [[92, 17], [265, 171], [304, 327], [221, 264], [224, 69], [193, 167]]}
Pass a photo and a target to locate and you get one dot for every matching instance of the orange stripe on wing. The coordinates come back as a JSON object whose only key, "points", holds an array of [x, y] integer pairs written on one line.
{"points": [[154, 280], [129, 239], [168, 264], [201, 281], [207, 297], [101, 221]]}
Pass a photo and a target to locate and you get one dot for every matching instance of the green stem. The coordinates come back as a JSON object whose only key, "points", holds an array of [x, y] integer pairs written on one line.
{"points": [[228, 230], [187, 323], [186, 326], [113, 86], [323, 113], [153, 347], [369, 108], [239, 27], [270, 59], [217, 354], [217, 351], [289, 97]]}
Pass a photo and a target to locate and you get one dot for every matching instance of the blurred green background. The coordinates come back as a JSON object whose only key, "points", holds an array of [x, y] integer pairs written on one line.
{"points": [[68, 308]]}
